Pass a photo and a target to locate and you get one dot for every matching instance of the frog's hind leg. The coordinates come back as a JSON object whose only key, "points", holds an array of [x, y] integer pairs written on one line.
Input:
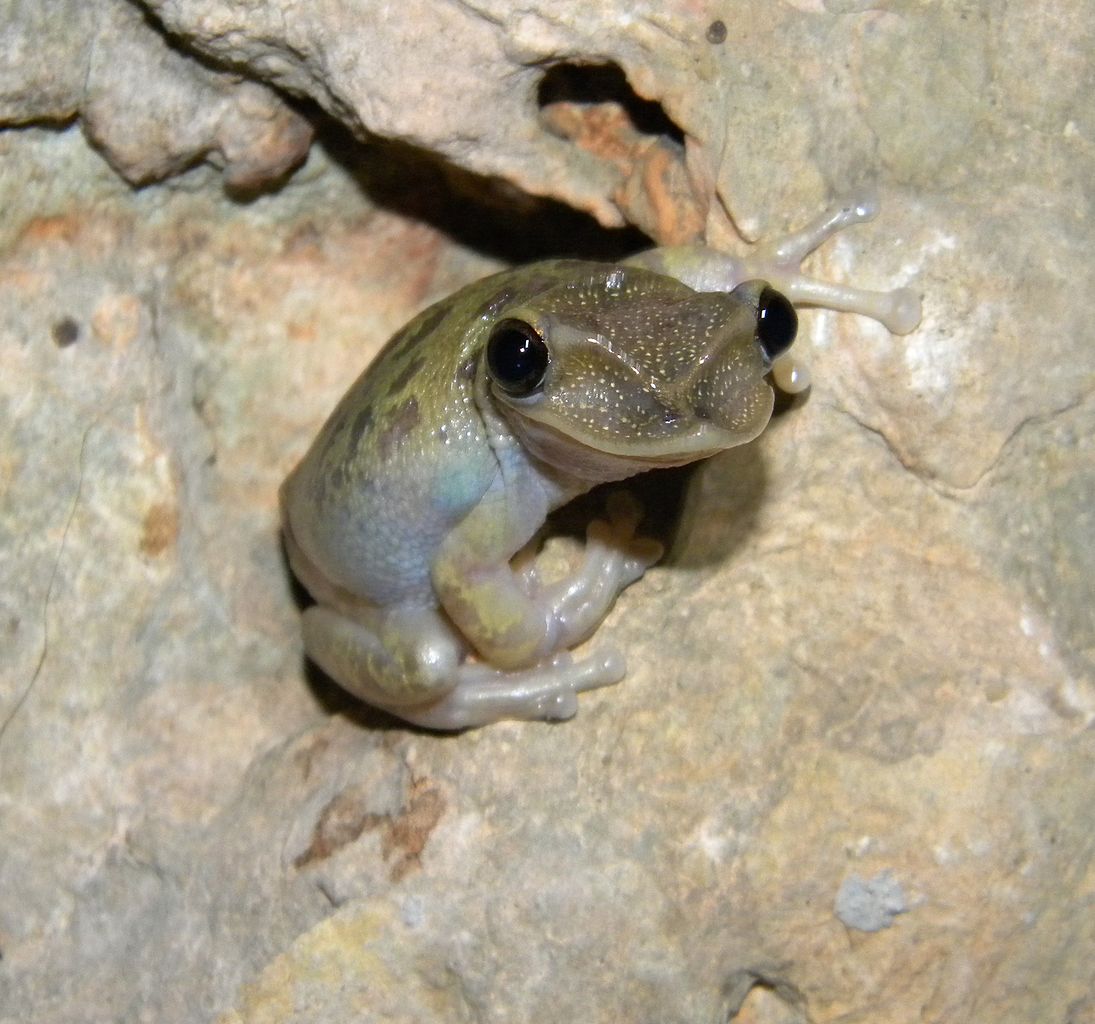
{"points": [[547, 692], [387, 659], [410, 663]]}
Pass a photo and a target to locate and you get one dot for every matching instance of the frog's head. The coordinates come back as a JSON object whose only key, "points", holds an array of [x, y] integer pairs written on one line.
{"points": [[624, 369]]}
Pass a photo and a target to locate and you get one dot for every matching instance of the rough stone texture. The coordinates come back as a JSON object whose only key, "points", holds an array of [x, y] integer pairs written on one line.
{"points": [[151, 110], [869, 657]]}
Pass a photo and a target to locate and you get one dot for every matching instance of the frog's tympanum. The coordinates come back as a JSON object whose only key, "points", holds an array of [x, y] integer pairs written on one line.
{"points": [[499, 404]]}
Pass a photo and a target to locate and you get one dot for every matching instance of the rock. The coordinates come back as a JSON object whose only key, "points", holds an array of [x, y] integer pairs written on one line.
{"points": [[151, 110], [870, 904], [861, 685]]}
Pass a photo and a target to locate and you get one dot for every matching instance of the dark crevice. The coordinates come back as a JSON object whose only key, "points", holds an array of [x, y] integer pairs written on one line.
{"points": [[486, 214], [740, 986], [605, 83], [660, 494], [53, 123]]}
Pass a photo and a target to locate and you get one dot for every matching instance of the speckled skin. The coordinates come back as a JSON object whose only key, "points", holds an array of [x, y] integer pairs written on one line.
{"points": [[403, 517]]}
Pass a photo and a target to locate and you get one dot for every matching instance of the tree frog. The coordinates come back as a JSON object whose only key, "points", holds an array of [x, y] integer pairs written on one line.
{"points": [[499, 404]]}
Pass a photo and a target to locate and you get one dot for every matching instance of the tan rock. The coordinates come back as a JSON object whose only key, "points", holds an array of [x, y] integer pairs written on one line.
{"points": [[849, 775]]}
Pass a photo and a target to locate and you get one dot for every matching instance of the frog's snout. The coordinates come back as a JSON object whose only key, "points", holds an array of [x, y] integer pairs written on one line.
{"points": [[728, 389]]}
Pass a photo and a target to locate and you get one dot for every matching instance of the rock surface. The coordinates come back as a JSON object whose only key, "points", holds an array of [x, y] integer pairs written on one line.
{"points": [[849, 775]]}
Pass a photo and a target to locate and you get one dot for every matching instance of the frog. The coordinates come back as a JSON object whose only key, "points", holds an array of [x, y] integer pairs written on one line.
{"points": [[407, 517]]}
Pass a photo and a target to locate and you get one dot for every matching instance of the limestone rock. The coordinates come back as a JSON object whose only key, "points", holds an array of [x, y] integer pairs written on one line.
{"points": [[150, 109], [848, 777]]}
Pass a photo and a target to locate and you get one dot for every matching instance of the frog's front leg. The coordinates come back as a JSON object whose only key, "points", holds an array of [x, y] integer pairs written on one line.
{"points": [[614, 558], [525, 629], [510, 619], [778, 263]]}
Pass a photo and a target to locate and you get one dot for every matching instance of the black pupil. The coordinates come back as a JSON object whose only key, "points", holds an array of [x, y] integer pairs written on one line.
{"points": [[777, 323], [516, 357]]}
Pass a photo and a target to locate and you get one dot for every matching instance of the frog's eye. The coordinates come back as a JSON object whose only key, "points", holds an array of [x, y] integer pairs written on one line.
{"points": [[777, 323], [517, 357]]}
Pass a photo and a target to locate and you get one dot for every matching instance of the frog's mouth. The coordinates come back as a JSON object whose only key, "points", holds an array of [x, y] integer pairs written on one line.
{"points": [[674, 437]]}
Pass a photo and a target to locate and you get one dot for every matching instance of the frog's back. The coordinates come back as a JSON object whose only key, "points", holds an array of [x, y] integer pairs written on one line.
{"points": [[400, 459]]}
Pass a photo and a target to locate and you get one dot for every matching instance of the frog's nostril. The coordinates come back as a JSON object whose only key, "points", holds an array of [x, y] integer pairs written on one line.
{"points": [[777, 323]]}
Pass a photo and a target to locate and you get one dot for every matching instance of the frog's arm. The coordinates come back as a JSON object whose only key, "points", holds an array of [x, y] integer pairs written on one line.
{"points": [[778, 263], [615, 557], [477, 587], [511, 620]]}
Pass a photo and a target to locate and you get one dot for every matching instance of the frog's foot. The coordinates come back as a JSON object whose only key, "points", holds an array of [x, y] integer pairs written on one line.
{"points": [[779, 262], [545, 692], [614, 559]]}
